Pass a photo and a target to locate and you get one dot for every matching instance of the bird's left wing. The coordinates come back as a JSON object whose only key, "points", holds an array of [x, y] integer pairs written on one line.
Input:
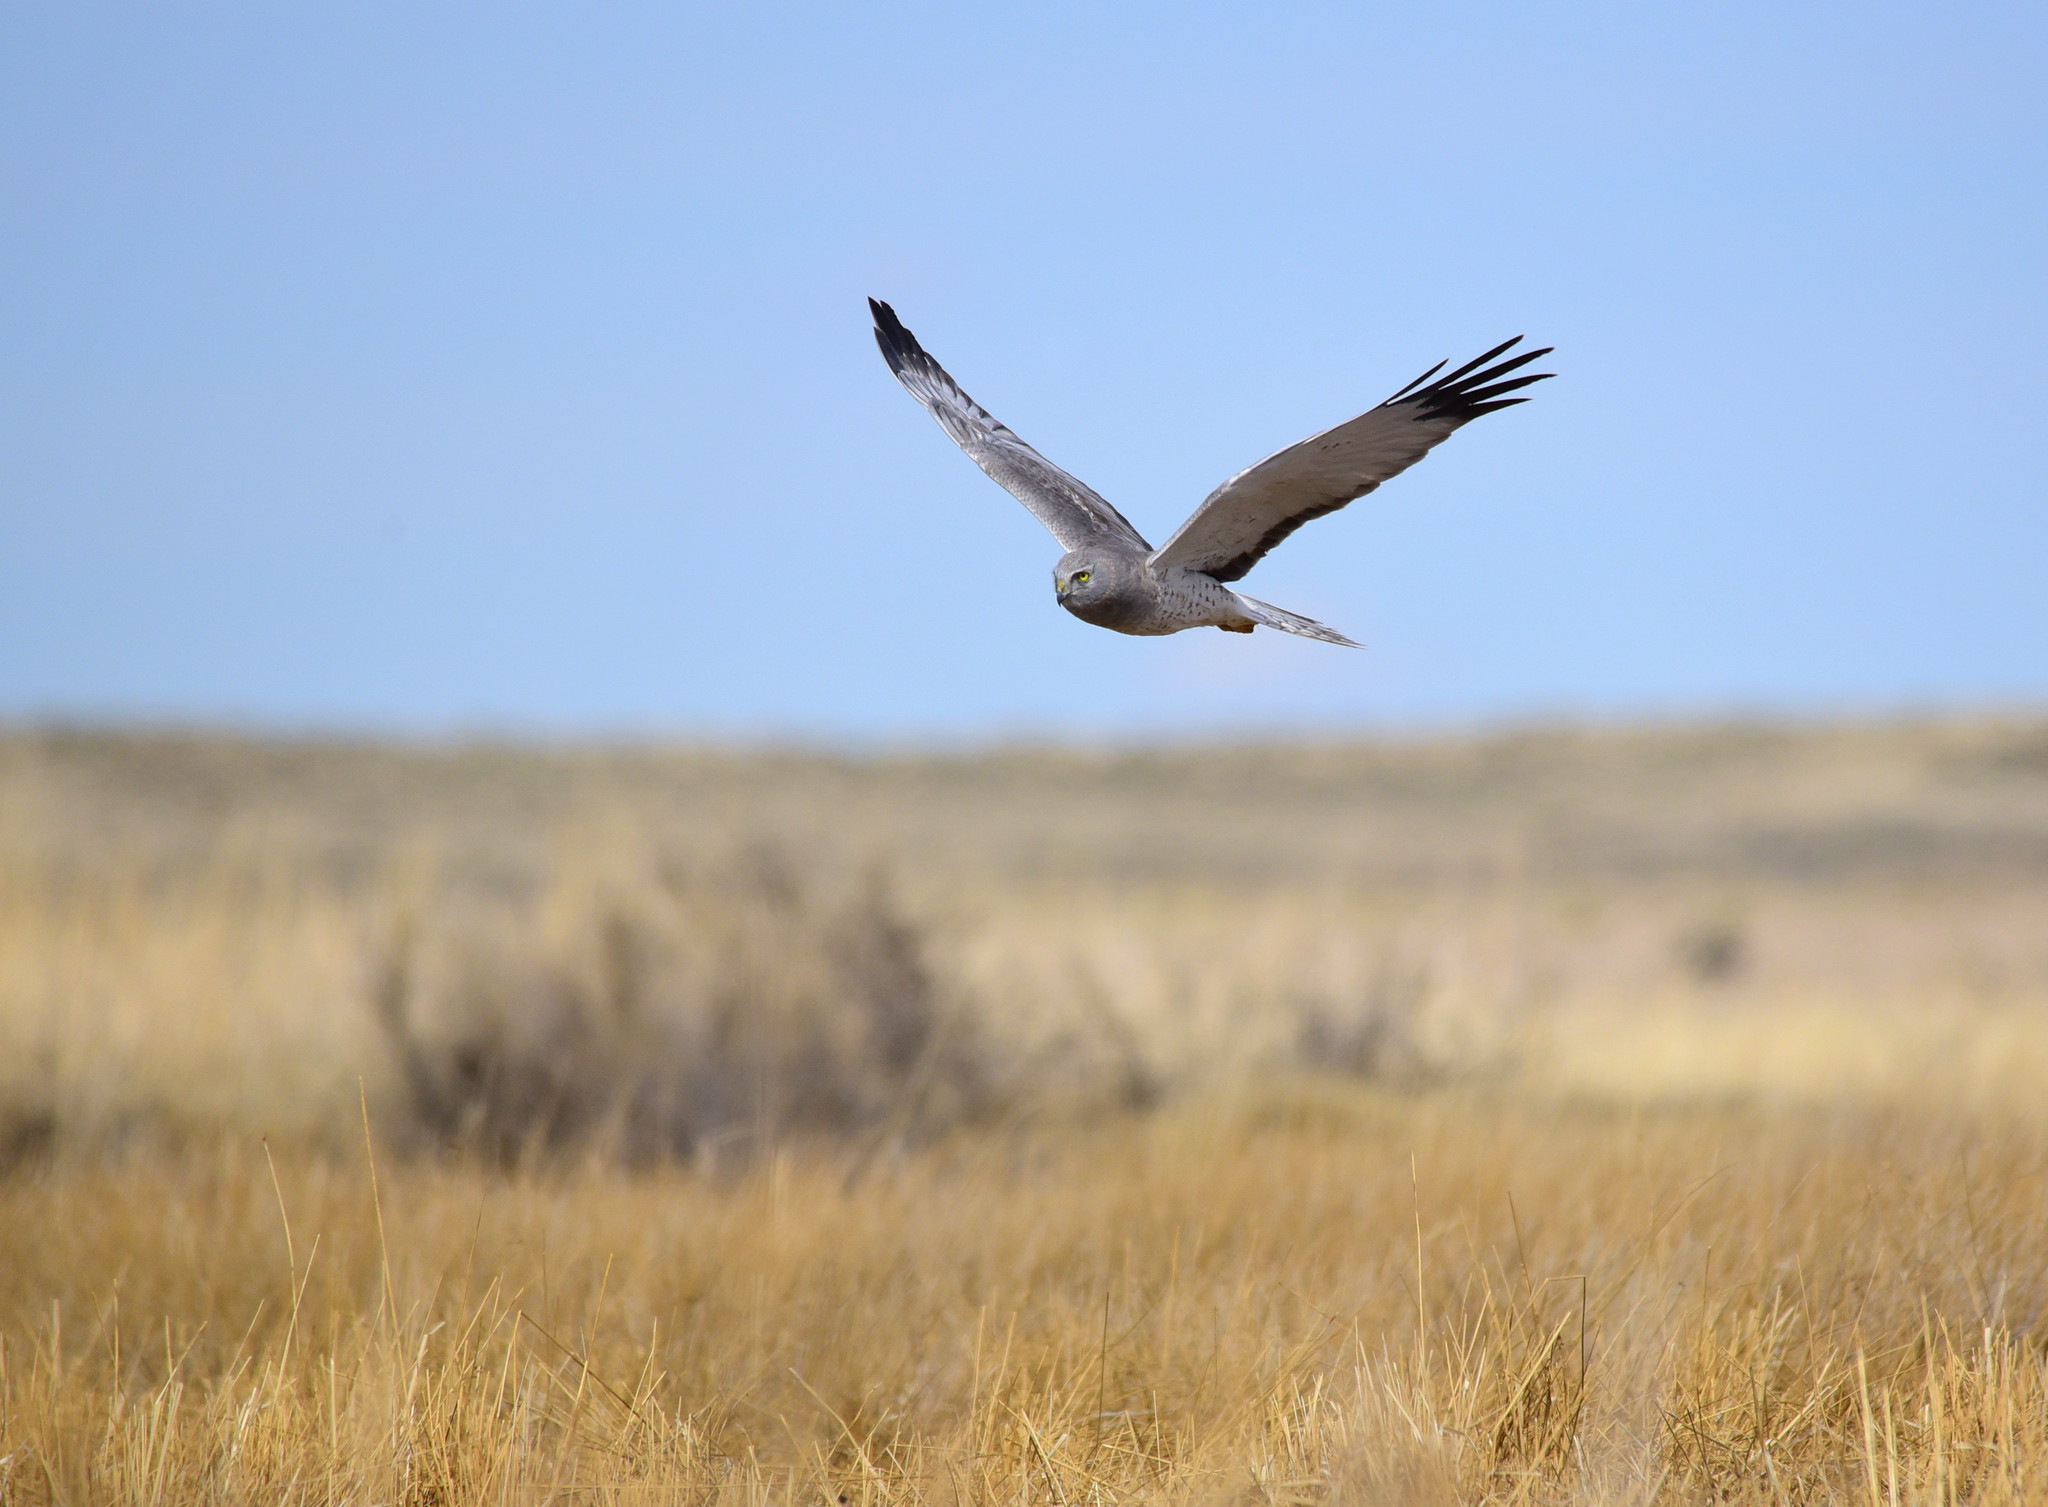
{"points": [[1074, 511], [1253, 511]]}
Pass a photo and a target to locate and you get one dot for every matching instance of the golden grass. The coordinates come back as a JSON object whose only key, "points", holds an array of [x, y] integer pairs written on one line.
{"points": [[1619, 1117], [1295, 1297]]}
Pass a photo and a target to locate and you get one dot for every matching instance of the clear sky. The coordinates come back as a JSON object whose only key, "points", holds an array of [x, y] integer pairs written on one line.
{"points": [[443, 367]]}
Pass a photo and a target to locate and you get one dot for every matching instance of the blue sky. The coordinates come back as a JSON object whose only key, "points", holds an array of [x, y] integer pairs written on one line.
{"points": [[435, 367]]}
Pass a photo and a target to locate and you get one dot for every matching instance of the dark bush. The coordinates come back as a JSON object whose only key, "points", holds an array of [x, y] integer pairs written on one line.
{"points": [[697, 1015]]}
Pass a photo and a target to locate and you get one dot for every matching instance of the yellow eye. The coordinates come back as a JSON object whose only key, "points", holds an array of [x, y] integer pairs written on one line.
{"points": [[1080, 575]]}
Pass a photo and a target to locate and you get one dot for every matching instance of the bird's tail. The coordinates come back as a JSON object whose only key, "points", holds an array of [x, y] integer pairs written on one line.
{"points": [[1276, 617]]}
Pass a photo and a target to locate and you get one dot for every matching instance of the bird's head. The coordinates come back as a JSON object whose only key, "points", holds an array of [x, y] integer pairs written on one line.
{"points": [[1100, 585], [1086, 575]]}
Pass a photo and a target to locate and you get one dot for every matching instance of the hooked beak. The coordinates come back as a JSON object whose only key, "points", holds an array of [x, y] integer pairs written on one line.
{"points": [[1059, 589]]}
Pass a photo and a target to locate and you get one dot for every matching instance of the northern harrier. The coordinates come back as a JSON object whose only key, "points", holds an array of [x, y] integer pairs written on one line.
{"points": [[1111, 577]]}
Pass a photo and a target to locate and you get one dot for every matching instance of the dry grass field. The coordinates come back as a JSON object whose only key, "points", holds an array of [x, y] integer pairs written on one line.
{"points": [[1608, 1116]]}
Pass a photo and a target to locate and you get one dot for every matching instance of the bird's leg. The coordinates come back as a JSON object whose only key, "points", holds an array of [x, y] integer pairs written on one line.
{"points": [[1236, 627]]}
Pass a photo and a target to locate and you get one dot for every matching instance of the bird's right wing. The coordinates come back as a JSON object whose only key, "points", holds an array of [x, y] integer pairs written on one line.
{"points": [[1075, 512], [1253, 511]]}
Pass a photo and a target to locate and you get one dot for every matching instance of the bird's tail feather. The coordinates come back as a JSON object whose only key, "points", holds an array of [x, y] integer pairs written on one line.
{"points": [[1277, 617]]}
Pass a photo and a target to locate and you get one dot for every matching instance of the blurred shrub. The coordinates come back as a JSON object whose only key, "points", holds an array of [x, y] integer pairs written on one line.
{"points": [[1369, 1034], [705, 1012], [1714, 952]]}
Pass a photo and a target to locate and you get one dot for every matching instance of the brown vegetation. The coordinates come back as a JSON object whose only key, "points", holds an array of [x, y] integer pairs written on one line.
{"points": [[1559, 1116]]}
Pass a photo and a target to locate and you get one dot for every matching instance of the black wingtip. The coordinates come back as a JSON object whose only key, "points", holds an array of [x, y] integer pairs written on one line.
{"points": [[1479, 386], [1478, 361], [886, 322], [897, 344]]}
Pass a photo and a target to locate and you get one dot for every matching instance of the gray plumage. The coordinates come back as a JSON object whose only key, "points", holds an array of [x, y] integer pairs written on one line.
{"points": [[1111, 577]]}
